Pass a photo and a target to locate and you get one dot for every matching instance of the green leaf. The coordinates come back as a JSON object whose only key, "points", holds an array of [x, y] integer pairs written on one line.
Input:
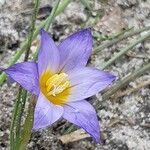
{"points": [[27, 127]]}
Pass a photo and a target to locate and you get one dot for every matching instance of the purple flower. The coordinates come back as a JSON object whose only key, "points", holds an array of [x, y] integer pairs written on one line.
{"points": [[62, 82]]}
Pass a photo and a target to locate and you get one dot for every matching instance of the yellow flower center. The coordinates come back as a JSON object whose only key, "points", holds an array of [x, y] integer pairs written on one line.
{"points": [[56, 87]]}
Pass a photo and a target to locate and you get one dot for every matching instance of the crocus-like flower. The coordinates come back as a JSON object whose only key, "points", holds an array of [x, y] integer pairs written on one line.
{"points": [[62, 82]]}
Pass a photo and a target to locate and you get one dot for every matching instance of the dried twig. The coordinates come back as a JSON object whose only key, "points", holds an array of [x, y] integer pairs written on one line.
{"points": [[81, 134], [140, 56], [74, 136], [122, 121], [145, 125]]}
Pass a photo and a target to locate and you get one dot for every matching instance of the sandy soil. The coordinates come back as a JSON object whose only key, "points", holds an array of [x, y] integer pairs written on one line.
{"points": [[125, 121]]}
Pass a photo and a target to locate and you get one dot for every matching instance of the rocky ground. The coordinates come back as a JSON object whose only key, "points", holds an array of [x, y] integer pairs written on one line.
{"points": [[125, 121]]}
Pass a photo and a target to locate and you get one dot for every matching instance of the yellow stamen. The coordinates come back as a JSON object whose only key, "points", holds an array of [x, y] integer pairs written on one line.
{"points": [[52, 78], [56, 87], [59, 89], [55, 80]]}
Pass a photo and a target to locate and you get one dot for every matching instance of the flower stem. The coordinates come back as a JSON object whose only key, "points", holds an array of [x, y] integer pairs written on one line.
{"points": [[20, 111], [49, 21], [131, 90], [13, 122], [125, 50], [21, 100], [27, 127], [120, 38], [62, 5], [32, 28], [52, 15], [125, 81], [30, 38], [86, 3]]}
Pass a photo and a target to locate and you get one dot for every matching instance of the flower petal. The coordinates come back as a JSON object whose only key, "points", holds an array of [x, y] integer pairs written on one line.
{"points": [[82, 114], [26, 74], [88, 81], [45, 113], [75, 50], [48, 57]]}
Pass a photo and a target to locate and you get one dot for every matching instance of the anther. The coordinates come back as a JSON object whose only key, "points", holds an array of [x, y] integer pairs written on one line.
{"points": [[57, 84]]}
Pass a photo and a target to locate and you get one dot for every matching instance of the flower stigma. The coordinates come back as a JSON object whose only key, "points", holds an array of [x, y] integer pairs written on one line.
{"points": [[56, 87]]}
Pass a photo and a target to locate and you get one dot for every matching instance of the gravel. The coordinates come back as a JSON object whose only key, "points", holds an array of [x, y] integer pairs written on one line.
{"points": [[125, 122]]}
